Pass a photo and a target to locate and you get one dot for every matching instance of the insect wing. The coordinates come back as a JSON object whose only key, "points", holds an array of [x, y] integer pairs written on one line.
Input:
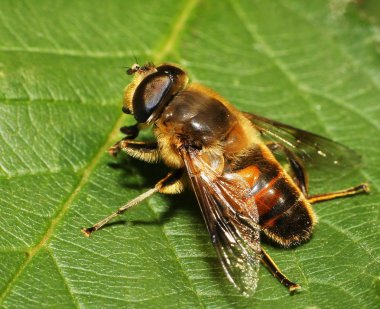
{"points": [[313, 149], [232, 220]]}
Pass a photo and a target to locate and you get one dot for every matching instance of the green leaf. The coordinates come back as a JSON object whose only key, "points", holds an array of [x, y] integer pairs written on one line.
{"points": [[312, 64]]}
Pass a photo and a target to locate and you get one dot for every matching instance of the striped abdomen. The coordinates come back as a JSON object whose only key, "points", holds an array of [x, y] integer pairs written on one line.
{"points": [[285, 214]]}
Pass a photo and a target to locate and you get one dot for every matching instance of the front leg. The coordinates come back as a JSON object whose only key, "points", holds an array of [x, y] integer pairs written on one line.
{"points": [[131, 132], [145, 151]]}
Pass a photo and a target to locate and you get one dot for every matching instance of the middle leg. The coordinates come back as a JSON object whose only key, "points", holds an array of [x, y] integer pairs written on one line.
{"points": [[171, 184], [318, 198]]}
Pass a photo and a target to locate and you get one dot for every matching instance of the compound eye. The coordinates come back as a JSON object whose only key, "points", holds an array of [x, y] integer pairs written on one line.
{"points": [[151, 92]]}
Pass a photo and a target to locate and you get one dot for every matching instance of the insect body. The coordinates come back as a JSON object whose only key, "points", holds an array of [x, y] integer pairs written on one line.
{"points": [[230, 160]]}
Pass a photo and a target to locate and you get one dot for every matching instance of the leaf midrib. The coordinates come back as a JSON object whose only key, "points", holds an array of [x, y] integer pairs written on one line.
{"points": [[89, 170], [55, 221], [167, 48]]}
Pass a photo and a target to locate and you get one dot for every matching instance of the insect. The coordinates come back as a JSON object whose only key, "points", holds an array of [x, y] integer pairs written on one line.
{"points": [[230, 160]]}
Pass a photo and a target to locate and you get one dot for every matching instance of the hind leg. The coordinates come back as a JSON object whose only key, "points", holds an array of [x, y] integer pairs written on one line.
{"points": [[276, 272], [318, 198]]}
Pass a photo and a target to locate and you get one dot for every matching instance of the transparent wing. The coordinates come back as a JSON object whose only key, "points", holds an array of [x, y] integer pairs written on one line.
{"points": [[312, 149], [231, 218]]}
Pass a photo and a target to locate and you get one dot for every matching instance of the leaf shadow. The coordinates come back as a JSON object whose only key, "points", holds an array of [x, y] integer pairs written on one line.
{"points": [[148, 176], [175, 203], [185, 198]]}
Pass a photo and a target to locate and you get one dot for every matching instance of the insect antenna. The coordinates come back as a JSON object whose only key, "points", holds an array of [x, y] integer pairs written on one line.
{"points": [[135, 58]]}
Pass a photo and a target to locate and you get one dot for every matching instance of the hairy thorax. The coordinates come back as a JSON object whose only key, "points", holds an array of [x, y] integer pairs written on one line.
{"points": [[203, 122]]}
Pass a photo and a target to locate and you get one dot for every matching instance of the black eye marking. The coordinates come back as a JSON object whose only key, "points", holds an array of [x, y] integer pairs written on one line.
{"points": [[150, 94]]}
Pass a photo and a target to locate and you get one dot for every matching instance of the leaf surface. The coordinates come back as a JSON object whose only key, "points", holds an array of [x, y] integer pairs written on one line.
{"points": [[314, 65]]}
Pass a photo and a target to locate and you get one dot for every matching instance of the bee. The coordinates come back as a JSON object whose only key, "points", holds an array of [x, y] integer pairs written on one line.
{"points": [[231, 161]]}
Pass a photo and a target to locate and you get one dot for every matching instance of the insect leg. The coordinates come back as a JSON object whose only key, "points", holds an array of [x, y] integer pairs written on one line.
{"points": [[276, 272], [299, 172], [169, 185], [145, 151], [362, 188], [131, 131]]}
